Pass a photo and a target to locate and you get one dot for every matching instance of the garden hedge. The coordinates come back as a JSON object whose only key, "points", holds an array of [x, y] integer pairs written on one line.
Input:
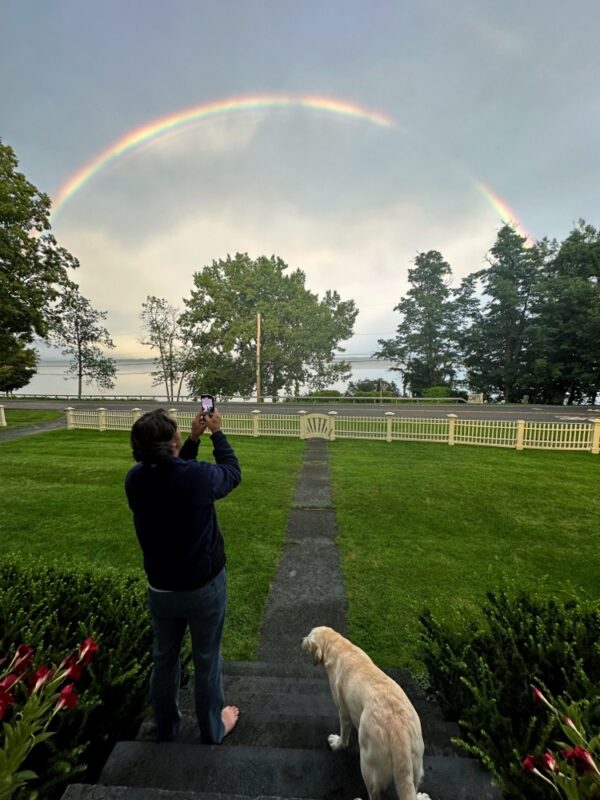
{"points": [[53, 609]]}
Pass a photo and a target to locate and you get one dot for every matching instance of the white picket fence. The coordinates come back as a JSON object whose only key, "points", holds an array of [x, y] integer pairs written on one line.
{"points": [[516, 434]]}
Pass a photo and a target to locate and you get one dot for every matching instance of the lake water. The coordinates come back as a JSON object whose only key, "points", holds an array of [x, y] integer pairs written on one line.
{"points": [[134, 378]]}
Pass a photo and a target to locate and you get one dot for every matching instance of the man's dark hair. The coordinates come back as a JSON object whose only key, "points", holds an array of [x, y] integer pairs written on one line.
{"points": [[151, 437]]}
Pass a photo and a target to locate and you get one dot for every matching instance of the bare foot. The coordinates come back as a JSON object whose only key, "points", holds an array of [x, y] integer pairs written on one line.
{"points": [[229, 715]]}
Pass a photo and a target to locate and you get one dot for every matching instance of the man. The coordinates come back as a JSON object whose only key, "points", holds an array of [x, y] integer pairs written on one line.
{"points": [[172, 498]]}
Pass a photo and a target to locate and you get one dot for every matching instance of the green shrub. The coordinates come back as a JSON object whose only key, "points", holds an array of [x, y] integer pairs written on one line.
{"points": [[326, 393], [52, 609], [482, 677], [443, 392]]}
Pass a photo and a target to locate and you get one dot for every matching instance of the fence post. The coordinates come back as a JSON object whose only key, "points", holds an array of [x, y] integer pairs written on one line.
{"points": [[388, 425], [101, 419], [451, 428], [255, 422], [2, 417], [596, 437], [520, 434], [70, 420], [332, 415], [172, 412], [302, 415], [136, 413]]}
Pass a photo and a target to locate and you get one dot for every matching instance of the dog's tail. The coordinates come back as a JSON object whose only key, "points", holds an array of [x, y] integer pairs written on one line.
{"points": [[407, 766]]}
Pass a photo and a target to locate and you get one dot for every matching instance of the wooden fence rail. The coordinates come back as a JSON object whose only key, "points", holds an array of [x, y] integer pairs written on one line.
{"points": [[517, 434]]}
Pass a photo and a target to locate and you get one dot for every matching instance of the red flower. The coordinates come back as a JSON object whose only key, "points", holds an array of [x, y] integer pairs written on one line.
{"points": [[87, 649], [68, 697], [22, 659], [6, 700], [7, 682], [538, 697], [549, 762], [580, 758], [528, 763], [73, 670], [38, 678]]}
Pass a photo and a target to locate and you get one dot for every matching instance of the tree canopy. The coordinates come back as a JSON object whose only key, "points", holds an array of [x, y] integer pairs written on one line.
{"points": [[163, 333], [78, 332], [300, 333], [33, 271], [33, 268], [527, 325]]}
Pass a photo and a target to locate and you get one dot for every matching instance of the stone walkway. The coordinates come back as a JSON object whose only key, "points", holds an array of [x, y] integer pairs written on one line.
{"points": [[308, 589], [9, 434]]}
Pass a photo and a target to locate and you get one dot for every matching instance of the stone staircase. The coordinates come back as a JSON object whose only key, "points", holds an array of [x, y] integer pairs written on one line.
{"points": [[279, 749]]}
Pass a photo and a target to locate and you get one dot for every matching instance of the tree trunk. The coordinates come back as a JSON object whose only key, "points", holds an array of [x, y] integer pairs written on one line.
{"points": [[79, 361]]}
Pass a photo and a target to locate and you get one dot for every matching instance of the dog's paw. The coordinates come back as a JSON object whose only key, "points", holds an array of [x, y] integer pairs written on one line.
{"points": [[335, 741], [423, 796]]}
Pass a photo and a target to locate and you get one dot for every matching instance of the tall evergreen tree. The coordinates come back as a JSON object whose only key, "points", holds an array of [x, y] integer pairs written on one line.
{"points": [[564, 362], [496, 328], [424, 350]]}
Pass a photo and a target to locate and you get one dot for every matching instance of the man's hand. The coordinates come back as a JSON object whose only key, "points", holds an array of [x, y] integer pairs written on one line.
{"points": [[213, 423], [199, 425]]}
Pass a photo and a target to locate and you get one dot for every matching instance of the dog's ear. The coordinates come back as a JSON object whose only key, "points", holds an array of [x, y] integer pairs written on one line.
{"points": [[317, 653]]}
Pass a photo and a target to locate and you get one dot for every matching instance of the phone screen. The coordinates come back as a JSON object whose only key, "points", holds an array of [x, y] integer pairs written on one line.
{"points": [[208, 403]]}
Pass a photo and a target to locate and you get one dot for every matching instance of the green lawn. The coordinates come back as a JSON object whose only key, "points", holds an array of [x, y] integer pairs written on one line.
{"points": [[421, 525], [437, 526], [62, 497], [17, 417]]}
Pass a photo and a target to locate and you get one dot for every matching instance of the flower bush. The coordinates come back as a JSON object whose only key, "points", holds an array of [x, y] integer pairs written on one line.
{"points": [[481, 665], [30, 699], [52, 606], [572, 771]]}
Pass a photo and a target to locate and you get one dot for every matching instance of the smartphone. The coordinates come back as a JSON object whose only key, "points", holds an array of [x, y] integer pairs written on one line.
{"points": [[207, 402]]}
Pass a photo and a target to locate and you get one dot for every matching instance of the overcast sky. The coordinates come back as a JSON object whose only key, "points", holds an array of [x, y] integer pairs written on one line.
{"points": [[504, 94]]}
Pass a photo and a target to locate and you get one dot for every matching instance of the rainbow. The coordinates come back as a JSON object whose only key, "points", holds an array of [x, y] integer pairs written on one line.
{"points": [[189, 117], [193, 116], [504, 210]]}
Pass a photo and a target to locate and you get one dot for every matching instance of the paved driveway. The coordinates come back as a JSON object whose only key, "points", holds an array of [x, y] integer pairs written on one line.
{"points": [[424, 410]]}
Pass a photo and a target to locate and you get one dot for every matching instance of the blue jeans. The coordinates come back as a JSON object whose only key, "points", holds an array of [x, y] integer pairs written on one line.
{"points": [[204, 611]]}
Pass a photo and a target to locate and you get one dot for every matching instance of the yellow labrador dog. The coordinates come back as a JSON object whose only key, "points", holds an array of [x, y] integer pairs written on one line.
{"points": [[389, 729]]}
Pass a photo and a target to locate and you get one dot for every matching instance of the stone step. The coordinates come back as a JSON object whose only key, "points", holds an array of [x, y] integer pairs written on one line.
{"points": [[277, 772], [260, 729], [296, 709], [86, 791]]}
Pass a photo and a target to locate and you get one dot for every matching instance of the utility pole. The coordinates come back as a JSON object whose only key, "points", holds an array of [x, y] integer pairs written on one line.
{"points": [[258, 357]]}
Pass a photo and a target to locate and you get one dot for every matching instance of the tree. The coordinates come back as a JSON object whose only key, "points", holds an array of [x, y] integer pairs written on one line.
{"points": [[373, 386], [300, 333], [564, 362], [496, 328], [78, 332], [33, 268], [18, 364], [164, 334], [423, 350]]}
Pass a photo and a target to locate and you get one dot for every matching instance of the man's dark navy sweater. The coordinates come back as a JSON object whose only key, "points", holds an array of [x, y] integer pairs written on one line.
{"points": [[175, 517]]}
